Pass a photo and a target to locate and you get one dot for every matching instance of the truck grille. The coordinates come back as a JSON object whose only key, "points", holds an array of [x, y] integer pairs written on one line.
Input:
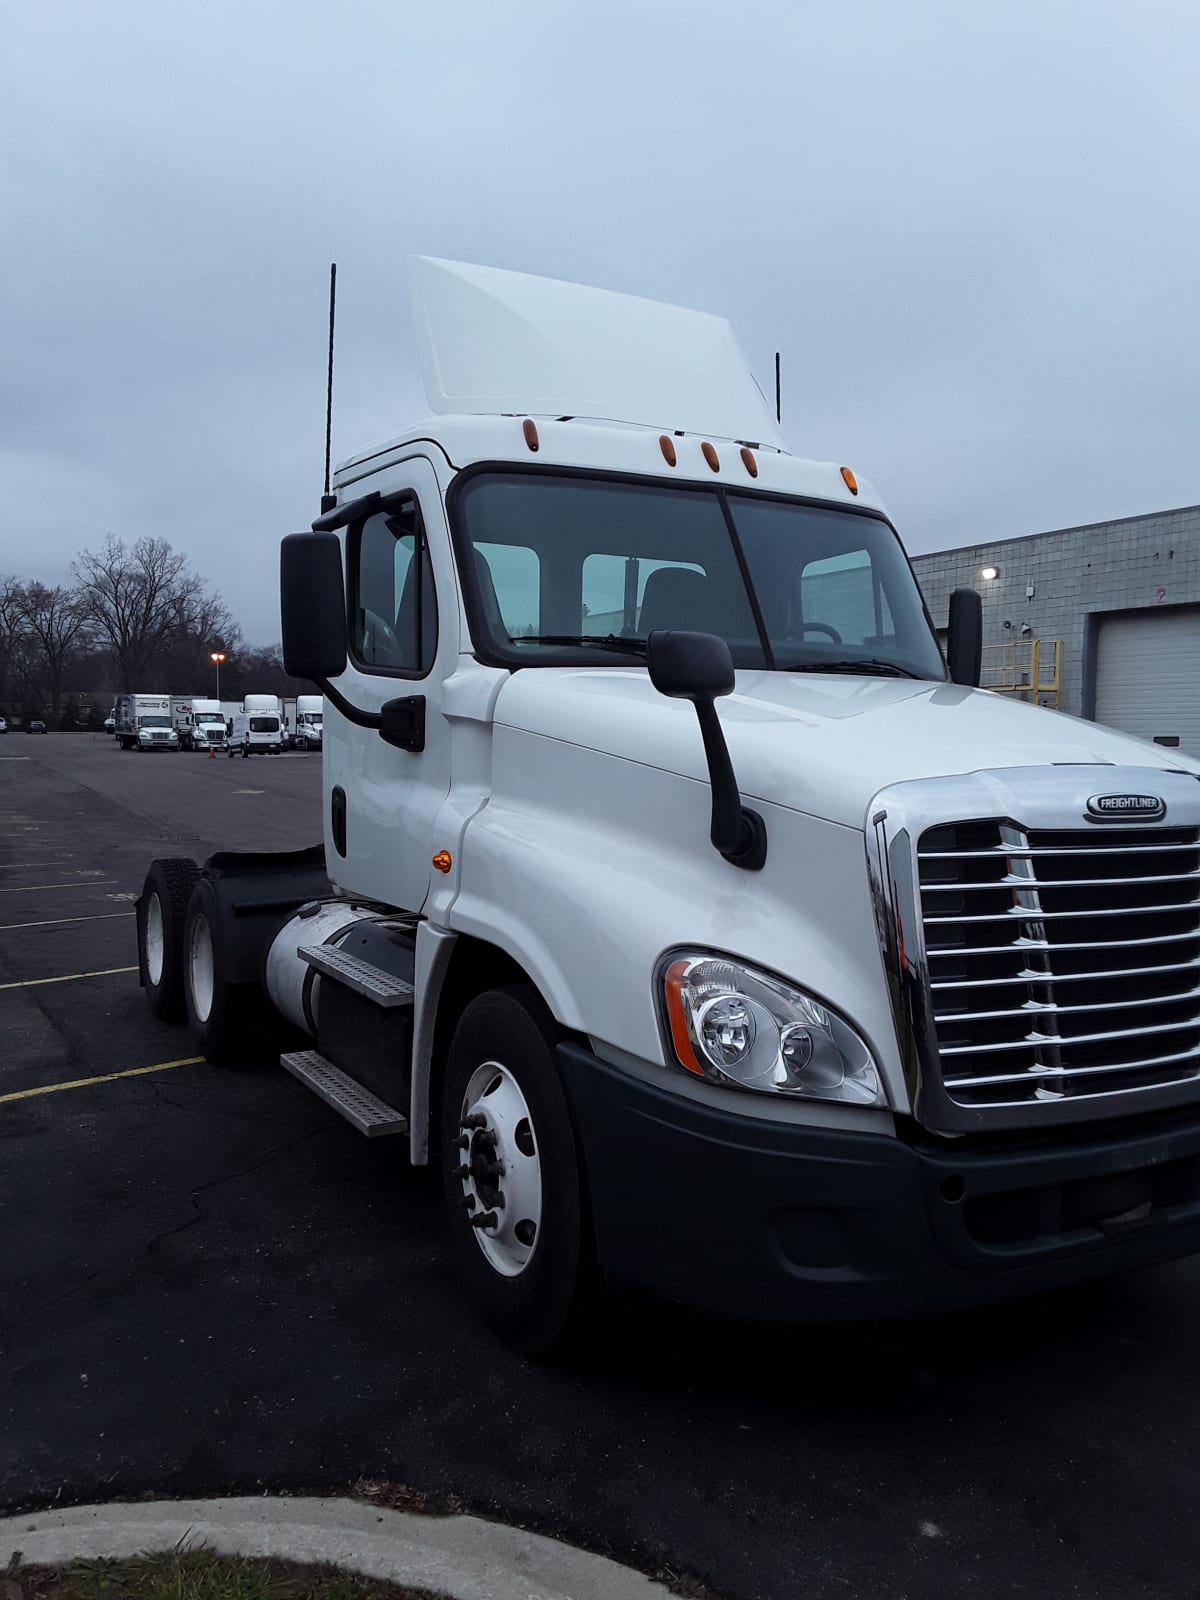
{"points": [[1062, 963]]}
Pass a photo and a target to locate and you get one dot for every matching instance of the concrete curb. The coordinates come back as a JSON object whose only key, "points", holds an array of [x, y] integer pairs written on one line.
{"points": [[462, 1557]]}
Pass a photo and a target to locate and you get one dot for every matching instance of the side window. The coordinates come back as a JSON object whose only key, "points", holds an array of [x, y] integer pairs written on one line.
{"points": [[510, 577], [393, 605], [840, 596]]}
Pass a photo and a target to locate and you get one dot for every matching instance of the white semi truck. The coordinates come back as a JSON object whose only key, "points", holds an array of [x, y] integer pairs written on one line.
{"points": [[867, 993], [144, 722], [209, 731], [310, 721], [257, 726]]}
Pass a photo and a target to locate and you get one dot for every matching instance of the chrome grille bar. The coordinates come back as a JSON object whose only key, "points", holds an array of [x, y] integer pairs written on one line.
{"points": [[1024, 914]]}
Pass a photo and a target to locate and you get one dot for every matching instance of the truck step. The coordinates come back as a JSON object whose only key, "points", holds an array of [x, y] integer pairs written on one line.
{"points": [[366, 1111], [380, 987]]}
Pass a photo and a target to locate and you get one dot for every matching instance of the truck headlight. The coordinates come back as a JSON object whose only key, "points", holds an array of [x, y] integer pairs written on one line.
{"points": [[732, 1024]]}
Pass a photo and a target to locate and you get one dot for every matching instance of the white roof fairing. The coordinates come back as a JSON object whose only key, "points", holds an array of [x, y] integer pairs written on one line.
{"points": [[492, 342]]}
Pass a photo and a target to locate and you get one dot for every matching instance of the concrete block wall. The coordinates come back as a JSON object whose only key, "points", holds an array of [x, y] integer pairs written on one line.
{"points": [[1074, 572]]}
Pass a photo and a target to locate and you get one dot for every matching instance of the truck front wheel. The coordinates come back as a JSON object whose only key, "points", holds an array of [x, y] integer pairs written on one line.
{"points": [[511, 1172]]}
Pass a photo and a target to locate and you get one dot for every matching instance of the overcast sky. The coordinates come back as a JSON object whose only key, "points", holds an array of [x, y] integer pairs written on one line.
{"points": [[971, 228]]}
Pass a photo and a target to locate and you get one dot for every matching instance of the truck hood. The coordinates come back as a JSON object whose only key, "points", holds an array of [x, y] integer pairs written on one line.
{"points": [[816, 743]]}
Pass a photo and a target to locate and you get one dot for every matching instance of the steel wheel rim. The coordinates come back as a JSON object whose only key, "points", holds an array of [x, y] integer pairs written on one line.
{"points": [[155, 955], [500, 1169], [200, 968]]}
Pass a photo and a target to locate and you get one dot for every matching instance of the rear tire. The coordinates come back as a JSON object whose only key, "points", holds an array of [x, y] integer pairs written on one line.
{"points": [[531, 1269], [161, 913], [233, 1023]]}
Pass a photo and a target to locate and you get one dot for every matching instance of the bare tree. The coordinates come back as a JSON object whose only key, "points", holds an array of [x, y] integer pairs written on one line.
{"points": [[204, 625], [57, 623], [137, 596], [12, 628]]}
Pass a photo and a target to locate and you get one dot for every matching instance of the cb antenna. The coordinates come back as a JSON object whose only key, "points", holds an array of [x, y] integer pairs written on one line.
{"points": [[328, 500], [778, 386]]}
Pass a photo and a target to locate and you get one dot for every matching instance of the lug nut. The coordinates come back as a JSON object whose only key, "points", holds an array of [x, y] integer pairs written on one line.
{"points": [[475, 1120], [484, 1219], [464, 1171]]}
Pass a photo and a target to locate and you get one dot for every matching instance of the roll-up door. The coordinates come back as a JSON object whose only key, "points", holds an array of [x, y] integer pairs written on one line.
{"points": [[1148, 674]]}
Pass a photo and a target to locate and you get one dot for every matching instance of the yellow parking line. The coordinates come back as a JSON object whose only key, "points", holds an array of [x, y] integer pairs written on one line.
{"points": [[36, 888], [54, 922], [28, 866], [104, 1077], [70, 977]]}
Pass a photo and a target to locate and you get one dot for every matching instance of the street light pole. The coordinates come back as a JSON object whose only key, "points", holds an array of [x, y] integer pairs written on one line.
{"points": [[216, 657]]}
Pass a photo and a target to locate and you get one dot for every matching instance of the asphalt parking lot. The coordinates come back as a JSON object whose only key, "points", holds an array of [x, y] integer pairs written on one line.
{"points": [[210, 1284]]}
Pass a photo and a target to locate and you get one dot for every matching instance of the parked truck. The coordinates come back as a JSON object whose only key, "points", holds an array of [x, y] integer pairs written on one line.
{"points": [[257, 726], [310, 721], [144, 722], [182, 719], [209, 731], [675, 896]]}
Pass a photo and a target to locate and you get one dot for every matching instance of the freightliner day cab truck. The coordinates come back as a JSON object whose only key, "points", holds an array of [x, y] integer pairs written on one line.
{"points": [[310, 721], [674, 897]]}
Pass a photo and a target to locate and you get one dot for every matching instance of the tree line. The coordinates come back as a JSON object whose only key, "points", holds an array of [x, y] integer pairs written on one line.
{"points": [[134, 617]]}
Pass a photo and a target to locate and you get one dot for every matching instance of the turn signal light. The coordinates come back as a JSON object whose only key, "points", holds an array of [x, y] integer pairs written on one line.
{"points": [[675, 979], [443, 861]]}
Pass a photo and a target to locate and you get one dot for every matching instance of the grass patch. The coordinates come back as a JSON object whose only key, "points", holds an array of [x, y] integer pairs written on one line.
{"points": [[196, 1573]]}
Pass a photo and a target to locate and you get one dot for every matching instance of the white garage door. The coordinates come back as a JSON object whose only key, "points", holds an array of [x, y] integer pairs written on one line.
{"points": [[1148, 674]]}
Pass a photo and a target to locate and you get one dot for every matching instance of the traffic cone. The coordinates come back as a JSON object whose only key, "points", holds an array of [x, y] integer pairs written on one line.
{"points": [[212, 753]]}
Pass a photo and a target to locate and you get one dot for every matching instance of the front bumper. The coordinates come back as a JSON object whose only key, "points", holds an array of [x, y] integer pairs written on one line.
{"points": [[779, 1222]]}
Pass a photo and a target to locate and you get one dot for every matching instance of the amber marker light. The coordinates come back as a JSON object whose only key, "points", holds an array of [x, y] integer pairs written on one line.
{"points": [[849, 480], [667, 446], [749, 462], [680, 1038], [529, 429], [443, 861], [709, 453]]}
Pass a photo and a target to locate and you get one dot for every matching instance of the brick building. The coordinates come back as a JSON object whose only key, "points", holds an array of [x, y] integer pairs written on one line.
{"points": [[1102, 621]]}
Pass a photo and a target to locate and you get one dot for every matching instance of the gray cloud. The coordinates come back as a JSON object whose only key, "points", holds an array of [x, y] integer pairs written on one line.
{"points": [[970, 230]]}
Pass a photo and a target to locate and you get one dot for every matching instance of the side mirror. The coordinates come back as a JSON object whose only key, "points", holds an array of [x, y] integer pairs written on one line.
{"points": [[312, 603], [689, 666], [964, 643], [698, 667]]}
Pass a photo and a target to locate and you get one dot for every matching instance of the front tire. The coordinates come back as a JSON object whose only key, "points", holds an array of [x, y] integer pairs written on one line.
{"points": [[161, 914], [509, 1159]]}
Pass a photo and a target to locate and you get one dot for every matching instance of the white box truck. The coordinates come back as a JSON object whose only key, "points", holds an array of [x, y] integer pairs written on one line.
{"points": [[144, 722], [257, 726], [310, 721], [675, 896]]}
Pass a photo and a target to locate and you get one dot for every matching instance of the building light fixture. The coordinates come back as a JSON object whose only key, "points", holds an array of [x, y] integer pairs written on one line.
{"points": [[988, 573]]}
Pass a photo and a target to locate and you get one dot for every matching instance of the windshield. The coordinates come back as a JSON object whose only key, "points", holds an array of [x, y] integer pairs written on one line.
{"points": [[154, 722], [264, 724], [573, 570], [203, 717]]}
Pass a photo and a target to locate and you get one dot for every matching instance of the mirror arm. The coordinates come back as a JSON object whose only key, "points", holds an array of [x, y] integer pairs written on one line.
{"points": [[352, 713], [350, 511], [737, 832]]}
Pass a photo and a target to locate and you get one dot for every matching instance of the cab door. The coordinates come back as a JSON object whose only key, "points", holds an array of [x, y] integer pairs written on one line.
{"points": [[402, 645]]}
